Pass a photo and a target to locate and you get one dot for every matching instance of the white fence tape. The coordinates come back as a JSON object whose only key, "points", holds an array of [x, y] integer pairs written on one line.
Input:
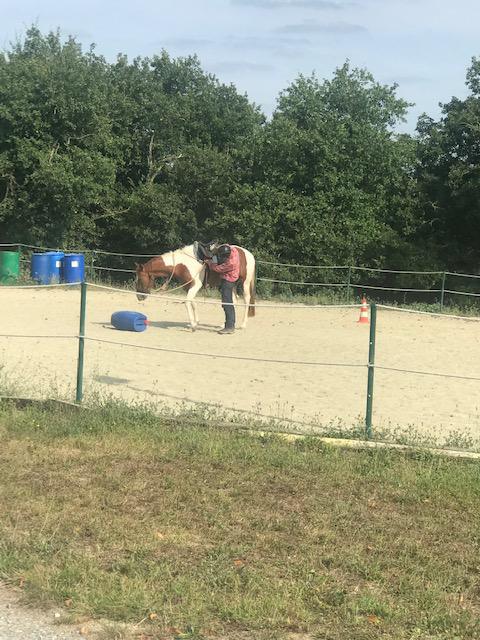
{"points": [[40, 286], [224, 356], [29, 335], [199, 300], [427, 313], [305, 284], [350, 269]]}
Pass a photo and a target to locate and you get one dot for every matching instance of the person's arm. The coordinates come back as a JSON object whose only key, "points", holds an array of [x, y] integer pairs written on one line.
{"points": [[225, 267]]}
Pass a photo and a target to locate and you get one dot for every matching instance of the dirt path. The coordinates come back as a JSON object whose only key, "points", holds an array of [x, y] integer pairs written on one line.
{"points": [[21, 623], [18, 622]]}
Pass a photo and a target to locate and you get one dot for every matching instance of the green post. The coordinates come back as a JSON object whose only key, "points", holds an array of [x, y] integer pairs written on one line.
{"points": [[371, 370], [443, 291], [81, 342]]}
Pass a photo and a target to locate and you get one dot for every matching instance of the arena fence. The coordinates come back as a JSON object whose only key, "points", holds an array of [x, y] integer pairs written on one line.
{"points": [[370, 366], [344, 281]]}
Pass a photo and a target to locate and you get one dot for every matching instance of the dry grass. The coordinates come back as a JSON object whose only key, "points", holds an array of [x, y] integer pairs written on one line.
{"points": [[202, 532]]}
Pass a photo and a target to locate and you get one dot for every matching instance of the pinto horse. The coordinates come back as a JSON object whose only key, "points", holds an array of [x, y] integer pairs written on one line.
{"points": [[184, 266]]}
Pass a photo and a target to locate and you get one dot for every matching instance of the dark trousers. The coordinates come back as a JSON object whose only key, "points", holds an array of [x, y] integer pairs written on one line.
{"points": [[226, 289]]}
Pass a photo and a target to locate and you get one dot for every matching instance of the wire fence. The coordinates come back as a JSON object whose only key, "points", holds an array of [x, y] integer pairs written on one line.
{"points": [[336, 282], [369, 365]]}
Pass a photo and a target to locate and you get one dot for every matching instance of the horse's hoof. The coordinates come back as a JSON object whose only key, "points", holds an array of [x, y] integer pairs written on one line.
{"points": [[193, 328]]}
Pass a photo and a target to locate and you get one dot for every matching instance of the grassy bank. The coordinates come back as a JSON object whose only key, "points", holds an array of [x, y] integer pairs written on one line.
{"points": [[201, 531]]}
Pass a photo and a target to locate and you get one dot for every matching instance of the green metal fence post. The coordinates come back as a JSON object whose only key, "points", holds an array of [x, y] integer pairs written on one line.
{"points": [[81, 341], [443, 291], [371, 370]]}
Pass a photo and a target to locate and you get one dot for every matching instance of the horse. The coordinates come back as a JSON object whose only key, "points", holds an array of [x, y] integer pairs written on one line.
{"points": [[185, 266]]}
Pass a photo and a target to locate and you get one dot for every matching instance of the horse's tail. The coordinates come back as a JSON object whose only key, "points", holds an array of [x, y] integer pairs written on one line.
{"points": [[251, 306]]}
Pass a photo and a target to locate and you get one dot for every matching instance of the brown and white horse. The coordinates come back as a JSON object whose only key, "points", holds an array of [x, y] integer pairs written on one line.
{"points": [[183, 266]]}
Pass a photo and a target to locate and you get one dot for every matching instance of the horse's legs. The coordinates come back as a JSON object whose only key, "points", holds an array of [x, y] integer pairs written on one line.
{"points": [[246, 300], [195, 312], [191, 305]]}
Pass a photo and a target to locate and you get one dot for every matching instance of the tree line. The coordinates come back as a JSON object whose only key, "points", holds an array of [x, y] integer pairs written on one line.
{"points": [[141, 156]]}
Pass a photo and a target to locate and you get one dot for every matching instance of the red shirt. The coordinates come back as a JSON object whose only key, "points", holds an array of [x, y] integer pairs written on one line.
{"points": [[230, 269]]}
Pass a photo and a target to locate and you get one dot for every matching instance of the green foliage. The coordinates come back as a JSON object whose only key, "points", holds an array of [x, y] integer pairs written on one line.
{"points": [[449, 177], [57, 150], [147, 154], [330, 145]]}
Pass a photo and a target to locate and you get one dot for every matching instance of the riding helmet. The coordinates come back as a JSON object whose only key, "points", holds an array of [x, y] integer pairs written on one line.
{"points": [[223, 253]]}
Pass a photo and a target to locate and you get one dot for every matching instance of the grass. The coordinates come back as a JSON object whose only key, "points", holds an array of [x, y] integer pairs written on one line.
{"points": [[198, 531]]}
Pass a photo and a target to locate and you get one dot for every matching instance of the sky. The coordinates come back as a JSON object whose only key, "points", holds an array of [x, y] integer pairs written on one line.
{"points": [[261, 46]]}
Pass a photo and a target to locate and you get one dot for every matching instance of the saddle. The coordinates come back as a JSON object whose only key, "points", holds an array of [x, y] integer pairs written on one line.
{"points": [[204, 250]]}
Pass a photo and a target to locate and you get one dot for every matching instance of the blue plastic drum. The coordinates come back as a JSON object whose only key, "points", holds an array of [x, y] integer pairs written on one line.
{"points": [[56, 265], [129, 321], [40, 268], [73, 267]]}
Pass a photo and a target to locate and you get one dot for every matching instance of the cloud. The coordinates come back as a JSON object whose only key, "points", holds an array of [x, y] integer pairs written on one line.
{"points": [[271, 44], [319, 5], [240, 66], [335, 28], [185, 43]]}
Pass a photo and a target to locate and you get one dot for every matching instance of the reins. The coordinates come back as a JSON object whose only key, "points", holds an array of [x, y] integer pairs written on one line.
{"points": [[164, 287]]}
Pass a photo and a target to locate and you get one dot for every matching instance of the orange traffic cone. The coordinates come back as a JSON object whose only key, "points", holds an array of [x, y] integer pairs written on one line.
{"points": [[364, 312]]}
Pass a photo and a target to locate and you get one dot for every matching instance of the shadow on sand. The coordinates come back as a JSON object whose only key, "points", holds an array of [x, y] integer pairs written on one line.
{"points": [[166, 324]]}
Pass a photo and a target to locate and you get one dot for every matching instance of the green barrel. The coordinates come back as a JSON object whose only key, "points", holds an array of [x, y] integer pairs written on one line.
{"points": [[9, 266]]}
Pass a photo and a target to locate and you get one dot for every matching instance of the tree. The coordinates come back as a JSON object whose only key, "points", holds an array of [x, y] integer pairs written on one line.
{"points": [[449, 178], [84, 143], [331, 145], [145, 155], [56, 149]]}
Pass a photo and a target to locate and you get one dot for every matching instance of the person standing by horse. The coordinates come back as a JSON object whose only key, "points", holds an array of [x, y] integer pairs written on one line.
{"points": [[228, 267]]}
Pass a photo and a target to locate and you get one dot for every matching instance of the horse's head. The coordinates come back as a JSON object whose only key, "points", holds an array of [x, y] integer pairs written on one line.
{"points": [[145, 281]]}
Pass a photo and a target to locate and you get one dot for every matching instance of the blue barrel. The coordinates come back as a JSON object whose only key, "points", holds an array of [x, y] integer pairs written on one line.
{"points": [[73, 267], [40, 268], [129, 321], [56, 265]]}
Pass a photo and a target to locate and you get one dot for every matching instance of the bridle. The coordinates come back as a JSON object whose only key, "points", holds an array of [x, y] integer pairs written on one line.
{"points": [[164, 287]]}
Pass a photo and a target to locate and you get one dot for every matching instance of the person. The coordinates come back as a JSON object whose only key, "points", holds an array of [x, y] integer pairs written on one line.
{"points": [[228, 266]]}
